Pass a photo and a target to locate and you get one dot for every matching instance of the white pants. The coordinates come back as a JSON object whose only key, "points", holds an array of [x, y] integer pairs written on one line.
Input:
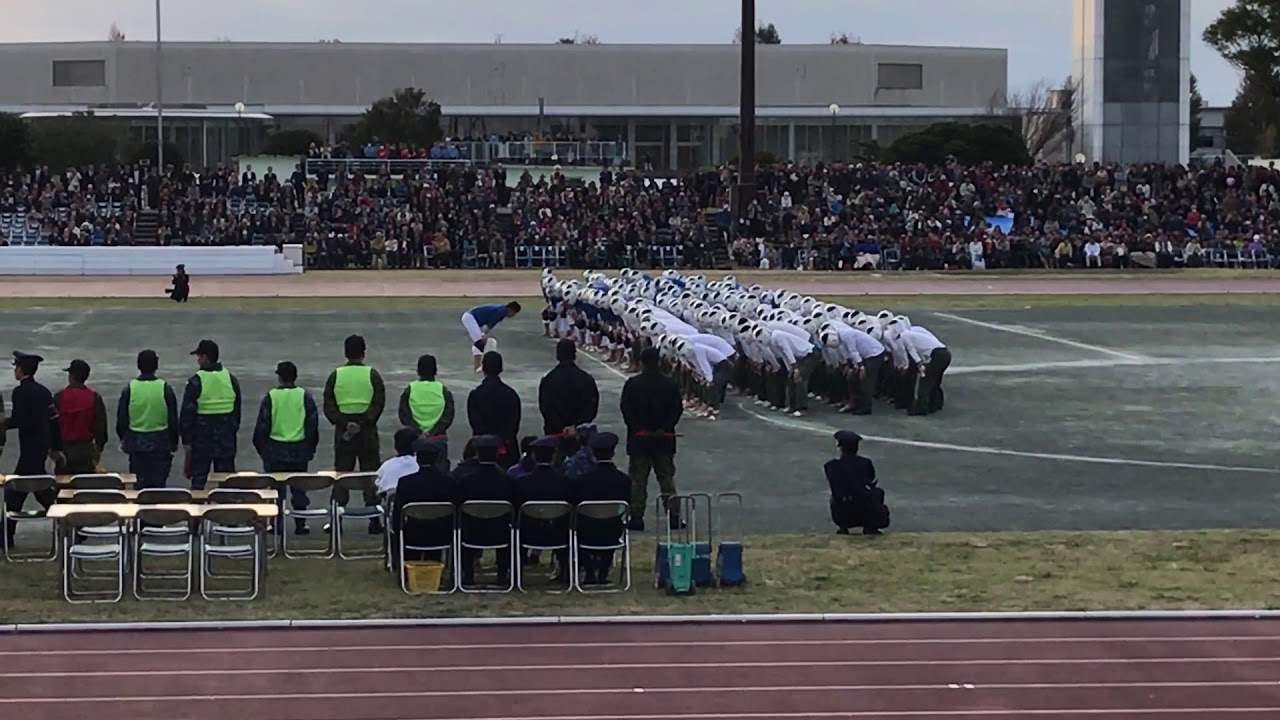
{"points": [[473, 330]]}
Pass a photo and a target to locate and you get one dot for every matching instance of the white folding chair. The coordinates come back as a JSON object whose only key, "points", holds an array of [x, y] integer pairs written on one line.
{"points": [[425, 512], [250, 552], [555, 517], [74, 551], [497, 513], [602, 513], [355, 483], [156, 538], [222, 495], [96, 481], [308, 483], [28, 484], [106, 534]]}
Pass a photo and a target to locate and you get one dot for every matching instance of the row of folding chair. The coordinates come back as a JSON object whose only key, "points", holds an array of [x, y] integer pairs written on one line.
{"points": [[458, 524]]}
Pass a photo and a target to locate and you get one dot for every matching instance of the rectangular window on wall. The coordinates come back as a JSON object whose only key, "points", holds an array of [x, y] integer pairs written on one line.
{"points": [[900, 76], [79, 73]]}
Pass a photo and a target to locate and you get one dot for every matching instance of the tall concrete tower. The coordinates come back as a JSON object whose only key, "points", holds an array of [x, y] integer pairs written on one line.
{"points": [[1133, 74]]}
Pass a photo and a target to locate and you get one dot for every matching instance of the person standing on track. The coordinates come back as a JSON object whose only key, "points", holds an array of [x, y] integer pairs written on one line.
{"points": [[35, 418], [427, 406], [287, 434], [567, 397], [480, 320], [354, 398], [147, 424], [210, 417], [82, 420], [651, 407]]}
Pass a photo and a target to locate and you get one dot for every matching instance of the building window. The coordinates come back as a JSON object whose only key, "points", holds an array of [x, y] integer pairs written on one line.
{"points": [[79, 73], [900, 76]]}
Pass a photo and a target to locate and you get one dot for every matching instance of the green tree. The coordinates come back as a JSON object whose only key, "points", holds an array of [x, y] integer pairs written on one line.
{"points": [[1197, 105], [968, 144], [406, 116], [1247, 35], [74, 141], [15, 142], [291, 142], [765, 35], [1250, 122]]}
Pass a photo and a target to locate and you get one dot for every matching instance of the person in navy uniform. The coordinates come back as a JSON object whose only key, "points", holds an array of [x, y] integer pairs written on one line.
{"points": [[147, 424], [34, 416], [485, 481], [210, 416], [546, 484], [493, 408], [604, 482], [480, 321], [856, 499], [429, 484], [287, 433]]}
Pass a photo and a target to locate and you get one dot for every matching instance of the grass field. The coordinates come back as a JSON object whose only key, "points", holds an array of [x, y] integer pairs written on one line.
{"points": [[942, 572]]}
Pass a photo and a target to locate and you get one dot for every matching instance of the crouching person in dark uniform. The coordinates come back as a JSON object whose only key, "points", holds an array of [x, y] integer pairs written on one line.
{"points": [[604, 482], [287, 433], [485, 480], [856, 499], [546, 484], [35, 418], [210, 416], [147, 424], [428, 485]]}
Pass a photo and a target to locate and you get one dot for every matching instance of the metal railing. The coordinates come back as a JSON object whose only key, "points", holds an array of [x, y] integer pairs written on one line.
{"points": [[523, 152]]}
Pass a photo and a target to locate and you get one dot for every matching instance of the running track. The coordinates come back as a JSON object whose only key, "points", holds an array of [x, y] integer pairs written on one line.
{"points": [[1103, 670]]}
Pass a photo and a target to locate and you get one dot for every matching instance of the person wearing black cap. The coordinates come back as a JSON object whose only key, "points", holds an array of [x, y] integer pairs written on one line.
{"points": [[486, 481], [567, 397], [181, 289], [493, 408], [651, 407], [287, 433], [34, 416], [210, 417], [427, 484], [427, 406], [147, 424], [354, 398], [82, 420], [605, 482], [856, 499], [546, 484], [527, 463]]}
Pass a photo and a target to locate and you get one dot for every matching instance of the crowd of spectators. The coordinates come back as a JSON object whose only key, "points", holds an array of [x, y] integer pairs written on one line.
{"points": [[835, 217]]}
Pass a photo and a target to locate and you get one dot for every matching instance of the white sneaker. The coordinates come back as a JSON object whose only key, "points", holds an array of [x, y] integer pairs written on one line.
{"points": [[797, 414]]}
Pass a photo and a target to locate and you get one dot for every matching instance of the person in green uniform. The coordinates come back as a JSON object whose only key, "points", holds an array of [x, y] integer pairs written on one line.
{"points": [[287, 433], [354, 397], [427, 406], [210, 416], [147, 424]]}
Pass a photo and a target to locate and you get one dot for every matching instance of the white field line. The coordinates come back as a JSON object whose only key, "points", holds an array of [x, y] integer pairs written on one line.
{"points": [[1041, 336]]}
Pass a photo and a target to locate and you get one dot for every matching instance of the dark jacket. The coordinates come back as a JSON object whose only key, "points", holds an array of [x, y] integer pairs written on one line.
{"points": [[604, 482], [856, 501], [35, 418], [429, 484], [493, 408], [163, 441], [486, 482], [545, 484], [567, 397], [651, 407]]}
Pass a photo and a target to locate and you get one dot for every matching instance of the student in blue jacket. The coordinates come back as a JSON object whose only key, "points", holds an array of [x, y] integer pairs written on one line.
{"points": [[479, 321]]}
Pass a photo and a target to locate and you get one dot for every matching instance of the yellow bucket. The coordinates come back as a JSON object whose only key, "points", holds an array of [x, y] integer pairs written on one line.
{"points": [[423, 576]]}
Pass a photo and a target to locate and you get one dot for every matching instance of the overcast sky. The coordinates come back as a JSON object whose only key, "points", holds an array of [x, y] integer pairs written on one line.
{"points": [[1037, 33]]}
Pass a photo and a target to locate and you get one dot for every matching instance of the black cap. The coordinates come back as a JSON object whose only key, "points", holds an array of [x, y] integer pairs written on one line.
{"points": [[26, 359], [208, 348], [550, 441], [78, 368], [428, 447], [287, 371], [487, 442], [847, 438], [603, 441]]}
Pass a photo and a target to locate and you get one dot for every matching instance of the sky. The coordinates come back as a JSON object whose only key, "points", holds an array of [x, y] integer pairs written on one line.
{"points": [[1037, 33]]}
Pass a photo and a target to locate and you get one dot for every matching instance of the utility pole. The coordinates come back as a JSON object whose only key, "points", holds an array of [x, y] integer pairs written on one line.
{"points": [[159, 95], [746, 189]]}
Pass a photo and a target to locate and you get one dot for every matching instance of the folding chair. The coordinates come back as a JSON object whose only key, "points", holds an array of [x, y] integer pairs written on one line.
{"points": [[308, 483], [355, 483], [430, 512], [231, 517], [546, 511], [96, 481], [486, 511], [106, 533], [602, 512], [28, 484], [221, 496], [73, 552], [156, 538], [248, 481], [164, 496]]}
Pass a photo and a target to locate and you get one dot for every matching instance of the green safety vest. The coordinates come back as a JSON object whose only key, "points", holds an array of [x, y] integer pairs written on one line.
{"points": [[217, 396], [426, 403], [353, 389], [288, 414], [148, 411]]}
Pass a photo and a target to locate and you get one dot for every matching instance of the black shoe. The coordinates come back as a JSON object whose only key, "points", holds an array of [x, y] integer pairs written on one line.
{"points": [[871, 532], [300, 528], [375, 527], [636, 525], [842, 531], [675, 523]]}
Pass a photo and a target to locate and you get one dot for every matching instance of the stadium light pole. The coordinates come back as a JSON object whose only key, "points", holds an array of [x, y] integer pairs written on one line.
{"points": [[159, 95], [747, 110]]}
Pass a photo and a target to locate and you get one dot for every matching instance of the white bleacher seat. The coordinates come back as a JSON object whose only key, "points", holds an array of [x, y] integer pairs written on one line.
{"points": [[24, 258]]}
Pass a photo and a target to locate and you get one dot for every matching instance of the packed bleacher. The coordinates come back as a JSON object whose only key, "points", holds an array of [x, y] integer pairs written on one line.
{"points": [[425, 213]]}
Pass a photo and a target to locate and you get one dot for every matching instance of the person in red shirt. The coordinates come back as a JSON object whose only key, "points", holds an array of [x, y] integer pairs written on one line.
{"points": [[82, 419]]}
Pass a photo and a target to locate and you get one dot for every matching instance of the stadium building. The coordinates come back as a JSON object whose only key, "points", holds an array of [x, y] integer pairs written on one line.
{"points": [[671, 106]]}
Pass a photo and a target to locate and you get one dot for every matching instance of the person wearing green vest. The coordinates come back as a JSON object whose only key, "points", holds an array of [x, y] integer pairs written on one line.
{"points": [[354, 398], [210, 417], [427, 406], [287, 433], [147, 424]]}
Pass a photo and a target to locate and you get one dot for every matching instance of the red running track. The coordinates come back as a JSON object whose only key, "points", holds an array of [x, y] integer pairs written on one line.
{"points": [[1102, 670]]}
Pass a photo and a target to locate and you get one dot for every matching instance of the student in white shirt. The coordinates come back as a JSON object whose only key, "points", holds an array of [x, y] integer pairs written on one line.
{"points": [[799, 359], [867, 356], [933, 358], [1092, 254], [404, 463], [713, 360], [902, 380]]}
